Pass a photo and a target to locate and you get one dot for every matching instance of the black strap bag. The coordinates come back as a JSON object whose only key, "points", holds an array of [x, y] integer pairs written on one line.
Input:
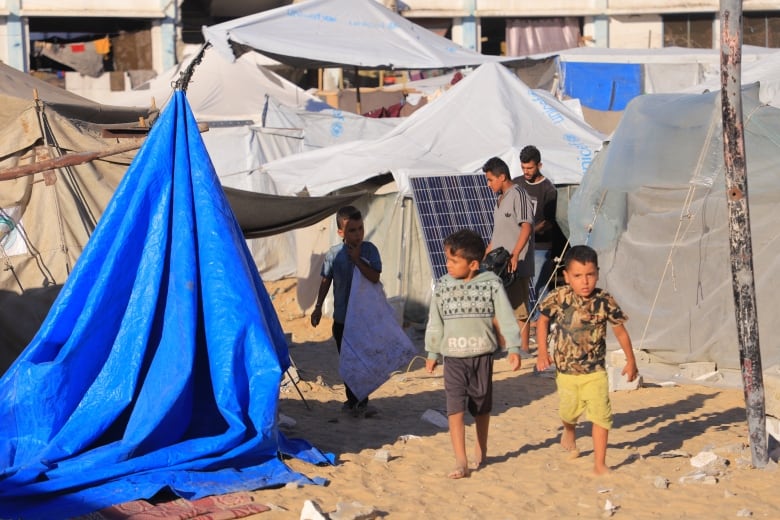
{"points": [[497, 260]]}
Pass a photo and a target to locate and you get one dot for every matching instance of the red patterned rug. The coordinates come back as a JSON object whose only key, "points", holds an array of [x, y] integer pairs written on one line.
{"points": [[218, 507]]}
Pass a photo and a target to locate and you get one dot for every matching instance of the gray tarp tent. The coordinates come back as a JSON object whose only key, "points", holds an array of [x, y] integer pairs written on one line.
{"points": [[656, 199]]}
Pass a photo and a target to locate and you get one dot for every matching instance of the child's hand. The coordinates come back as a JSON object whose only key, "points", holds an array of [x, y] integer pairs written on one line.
{"points": [[630, 371], [430, 364], [514, 362], [543, 360], [354, 252], [316, 316]]}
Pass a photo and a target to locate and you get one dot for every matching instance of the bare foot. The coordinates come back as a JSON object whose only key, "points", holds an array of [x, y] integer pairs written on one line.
{"points": [[600, 470], [569, 444], [476, 465], [458, 473], [571, 453]]}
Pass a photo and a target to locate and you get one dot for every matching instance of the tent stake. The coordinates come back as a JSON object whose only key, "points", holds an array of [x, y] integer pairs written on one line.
{"points": [[741, 249]]}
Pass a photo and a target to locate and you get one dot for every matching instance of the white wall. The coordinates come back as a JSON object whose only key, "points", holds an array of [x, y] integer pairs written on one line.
{"points": [[636, 32], [114, 9]]}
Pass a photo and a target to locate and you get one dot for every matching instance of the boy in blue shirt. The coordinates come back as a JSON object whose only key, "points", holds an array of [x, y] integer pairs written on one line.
{"points": [[340, 260]]}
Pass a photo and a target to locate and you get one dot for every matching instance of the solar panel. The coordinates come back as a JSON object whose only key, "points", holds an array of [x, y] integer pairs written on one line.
{"points": [[448, 203]]}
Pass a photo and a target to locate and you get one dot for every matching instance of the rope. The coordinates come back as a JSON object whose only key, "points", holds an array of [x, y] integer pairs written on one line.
{"points": [[44, 128], [186, 75]]}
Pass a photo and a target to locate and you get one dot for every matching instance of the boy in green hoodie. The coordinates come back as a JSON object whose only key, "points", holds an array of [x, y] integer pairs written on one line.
{"points": [[470, 316]]}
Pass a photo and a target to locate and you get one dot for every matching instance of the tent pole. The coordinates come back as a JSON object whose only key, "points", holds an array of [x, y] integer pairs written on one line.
{"points": [[357, 91], [741, 248]]}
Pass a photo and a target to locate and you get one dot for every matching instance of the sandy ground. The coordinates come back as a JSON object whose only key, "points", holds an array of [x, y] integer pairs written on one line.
{"points": [[659, 433]]}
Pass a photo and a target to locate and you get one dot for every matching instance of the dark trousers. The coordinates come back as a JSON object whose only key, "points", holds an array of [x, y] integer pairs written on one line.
{"points": [[338, 334]]}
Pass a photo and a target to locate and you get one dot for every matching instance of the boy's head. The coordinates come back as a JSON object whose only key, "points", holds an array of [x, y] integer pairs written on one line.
{"points": [[581, 269], [464, 250], [530, 162], [349, 224], [497, 173]]}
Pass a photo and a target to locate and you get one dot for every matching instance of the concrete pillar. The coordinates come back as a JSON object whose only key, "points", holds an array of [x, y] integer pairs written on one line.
{"points": [[164, 37], [600, 26], [17, 42], [468, 24]]}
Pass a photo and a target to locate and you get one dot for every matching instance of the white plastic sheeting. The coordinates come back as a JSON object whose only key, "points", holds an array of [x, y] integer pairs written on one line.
{"points": [[489, 113], [656, 199]]}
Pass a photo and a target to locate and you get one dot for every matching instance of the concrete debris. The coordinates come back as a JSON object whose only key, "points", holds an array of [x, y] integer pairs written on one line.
{"points": [[674, 453], [290, 376], [382, 456], [609, 509], [617, 381], [698, 477], [697, 369], [661, 482], [354, 511], [312, 511], [710, 463], [703, 459]]}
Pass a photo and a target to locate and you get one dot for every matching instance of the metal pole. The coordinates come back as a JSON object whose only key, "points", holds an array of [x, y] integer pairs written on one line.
{"points": [[740, 243]]}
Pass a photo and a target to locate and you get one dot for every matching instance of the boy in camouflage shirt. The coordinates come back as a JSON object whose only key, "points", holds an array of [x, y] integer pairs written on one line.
{"points": [[581, 312]]}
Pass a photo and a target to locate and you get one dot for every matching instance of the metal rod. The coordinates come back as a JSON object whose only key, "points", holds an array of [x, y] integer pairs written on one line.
{"points": [[741, 248]]}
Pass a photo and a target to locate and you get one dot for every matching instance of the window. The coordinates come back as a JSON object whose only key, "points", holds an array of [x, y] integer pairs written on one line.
{"points": [[761, 29], [688, 30]]}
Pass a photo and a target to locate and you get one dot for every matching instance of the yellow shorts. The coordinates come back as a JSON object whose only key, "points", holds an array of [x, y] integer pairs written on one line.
{"points": [[584, 393]]}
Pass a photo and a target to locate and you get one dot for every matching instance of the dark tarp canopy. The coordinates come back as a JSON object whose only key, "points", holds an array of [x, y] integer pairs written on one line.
{"points": [[262, 215], [159, 364]]}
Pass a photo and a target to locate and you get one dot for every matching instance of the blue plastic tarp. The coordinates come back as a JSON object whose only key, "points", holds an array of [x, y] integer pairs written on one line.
{"points": [[159, 363], [602, 86]]}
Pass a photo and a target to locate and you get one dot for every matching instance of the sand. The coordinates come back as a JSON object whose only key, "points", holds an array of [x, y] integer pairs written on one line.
{"points": [[396, 463]]}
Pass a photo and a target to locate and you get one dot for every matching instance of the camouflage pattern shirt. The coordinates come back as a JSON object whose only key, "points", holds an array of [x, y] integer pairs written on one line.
{"points": [[581, 328]]}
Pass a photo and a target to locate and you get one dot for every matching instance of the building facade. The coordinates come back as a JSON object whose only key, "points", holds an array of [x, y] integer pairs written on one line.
{"points": [[91, 36]]}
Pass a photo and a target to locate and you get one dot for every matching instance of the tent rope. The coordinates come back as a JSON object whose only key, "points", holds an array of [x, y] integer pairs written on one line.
{"points": [[40, 111], [186, 75], [72, 183], [686, 215]]}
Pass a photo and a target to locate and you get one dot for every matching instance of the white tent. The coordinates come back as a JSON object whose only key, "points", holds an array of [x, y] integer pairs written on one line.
{"points": [[356, 33], [764, 71], [490, 112], [656, 200], [665, 70], [219, 88]]}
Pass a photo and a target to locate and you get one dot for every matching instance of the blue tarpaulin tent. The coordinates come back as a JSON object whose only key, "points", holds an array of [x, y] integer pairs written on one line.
{"points": [[159, 364]]}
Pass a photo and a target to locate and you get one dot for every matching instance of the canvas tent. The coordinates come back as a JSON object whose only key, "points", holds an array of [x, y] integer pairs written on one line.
{"points": [[160, 362], [656, 200], [220, 88], [47, 218], [341, 33], [490, 112]]}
